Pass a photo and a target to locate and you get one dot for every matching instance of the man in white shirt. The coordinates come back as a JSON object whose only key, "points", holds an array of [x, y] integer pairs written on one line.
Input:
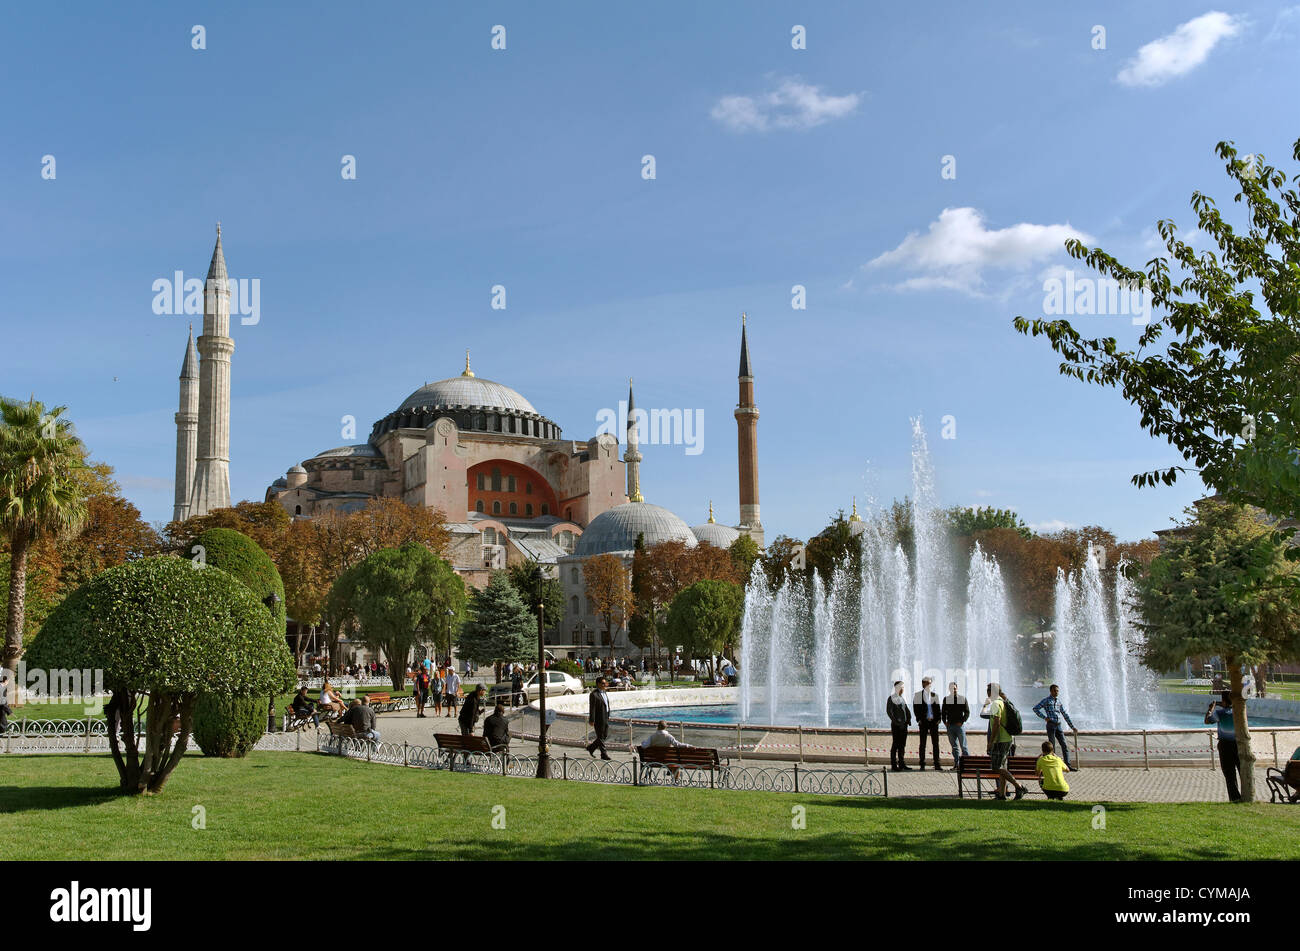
{"points": [[660, 737], [451, 690]]}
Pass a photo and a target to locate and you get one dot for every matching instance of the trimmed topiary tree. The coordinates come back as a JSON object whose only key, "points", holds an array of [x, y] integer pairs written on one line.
{"points": [[223, 724], [228, 726], [162, 631]]}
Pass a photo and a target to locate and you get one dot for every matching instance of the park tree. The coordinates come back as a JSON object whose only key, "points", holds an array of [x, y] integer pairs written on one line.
{"points": [[834, 546], [1224, 586], [306, 582], [642, 626], [743, 552], [609, 592], [41, 496], [968, 521], [705, 618], [523, 576], [163, 633], [224, 724], [266, 523], [782, 559], [1215, 371], [500, 626], [399, 597]]}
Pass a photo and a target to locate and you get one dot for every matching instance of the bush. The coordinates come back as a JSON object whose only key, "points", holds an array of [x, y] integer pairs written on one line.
{"points": [[237, 554], [570, 667], [228, 726]]}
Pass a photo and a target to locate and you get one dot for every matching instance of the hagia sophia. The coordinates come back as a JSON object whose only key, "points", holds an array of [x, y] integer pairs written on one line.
{"points": [[512, 488]]}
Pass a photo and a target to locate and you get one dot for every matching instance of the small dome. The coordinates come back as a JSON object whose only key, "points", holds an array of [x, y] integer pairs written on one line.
{"points": [[467, 391], [296, 469], [360, 450], [719, 536], [617, 529]]}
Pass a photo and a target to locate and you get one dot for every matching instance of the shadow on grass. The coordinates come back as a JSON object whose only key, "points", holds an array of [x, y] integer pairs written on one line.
{"points": [[43, 798]]}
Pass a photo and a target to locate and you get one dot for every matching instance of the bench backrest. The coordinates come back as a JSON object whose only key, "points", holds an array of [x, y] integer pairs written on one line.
{"points": [[679, 755], [457, 741]]}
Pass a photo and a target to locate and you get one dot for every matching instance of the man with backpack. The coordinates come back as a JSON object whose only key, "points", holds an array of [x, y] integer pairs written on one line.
{"points": [[1004, 726]]}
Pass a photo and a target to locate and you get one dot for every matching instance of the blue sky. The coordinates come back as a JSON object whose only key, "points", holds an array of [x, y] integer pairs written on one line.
{"points": [[523, 167]]}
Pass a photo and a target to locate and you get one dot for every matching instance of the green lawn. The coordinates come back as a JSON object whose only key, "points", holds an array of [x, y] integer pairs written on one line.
{"points": [[1276, 690], [300, 806]]}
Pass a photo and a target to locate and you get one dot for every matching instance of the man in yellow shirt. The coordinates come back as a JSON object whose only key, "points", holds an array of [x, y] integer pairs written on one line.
{"points": [[1051, 773]]}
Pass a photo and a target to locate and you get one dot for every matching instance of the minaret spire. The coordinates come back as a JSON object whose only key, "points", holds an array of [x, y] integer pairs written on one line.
{"points": [[468, 371], [187, 425], [212, 464], [632, 457], [747, 443]]}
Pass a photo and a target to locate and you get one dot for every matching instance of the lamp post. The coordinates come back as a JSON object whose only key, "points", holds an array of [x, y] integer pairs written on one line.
{"points": [[450, 615], [543, 756]]}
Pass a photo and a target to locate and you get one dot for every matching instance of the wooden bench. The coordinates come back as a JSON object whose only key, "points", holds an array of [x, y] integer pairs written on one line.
{"points": [[681, 757], [1284, 783], [381, 702], [453, 743], [294, 721], [980, 768]]}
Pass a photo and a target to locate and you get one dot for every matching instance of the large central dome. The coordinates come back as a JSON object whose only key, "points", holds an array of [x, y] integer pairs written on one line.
{"points": [[467, 391]]}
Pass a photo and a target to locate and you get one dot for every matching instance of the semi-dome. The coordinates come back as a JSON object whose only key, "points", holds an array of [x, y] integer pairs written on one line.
{"points": [[719, 536], [617, 529], [359, 450], [467, 391]]}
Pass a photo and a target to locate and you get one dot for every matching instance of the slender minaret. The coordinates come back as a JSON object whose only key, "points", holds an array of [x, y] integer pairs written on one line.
{"points": [[633, 456], [747, 444], [212, 472], [187, 431]]}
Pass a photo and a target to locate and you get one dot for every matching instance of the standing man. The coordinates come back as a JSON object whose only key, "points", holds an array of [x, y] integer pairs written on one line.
{"points": [[926, 705], [954, 713], [598, 718], [451, 690], [1000, 740], [517, 686], [900, 718], [1220, 713], [1052, 710]]}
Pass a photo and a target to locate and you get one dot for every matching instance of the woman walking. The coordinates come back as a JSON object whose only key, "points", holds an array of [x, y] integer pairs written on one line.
{"points": [[436, 688], [421, 690]]}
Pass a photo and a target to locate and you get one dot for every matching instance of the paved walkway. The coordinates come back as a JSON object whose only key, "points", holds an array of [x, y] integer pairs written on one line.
{"points": [[1132, 784]]}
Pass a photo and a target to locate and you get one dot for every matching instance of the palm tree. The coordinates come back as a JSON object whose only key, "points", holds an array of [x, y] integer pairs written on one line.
{"points": [[40, 496]]}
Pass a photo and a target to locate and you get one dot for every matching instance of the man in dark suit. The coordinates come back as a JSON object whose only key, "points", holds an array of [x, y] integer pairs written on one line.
{"points": [[900, 718], [517, 686], [598, 718], [954, 713], [496, 729], [925, 704]]}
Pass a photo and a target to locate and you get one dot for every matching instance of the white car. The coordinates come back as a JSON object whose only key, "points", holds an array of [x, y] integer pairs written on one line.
{"points": [[558, 684]]}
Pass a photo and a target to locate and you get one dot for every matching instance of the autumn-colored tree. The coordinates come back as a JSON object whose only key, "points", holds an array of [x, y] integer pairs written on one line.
{"points": [[391, 523], [306, 584], [834, 546], [609, 591], [642, 627], [781, 559], [266, 523], [968, 521]]}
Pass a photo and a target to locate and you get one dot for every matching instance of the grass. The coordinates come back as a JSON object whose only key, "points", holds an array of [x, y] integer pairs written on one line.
{"points": [[1276, 691], [301, 806]]}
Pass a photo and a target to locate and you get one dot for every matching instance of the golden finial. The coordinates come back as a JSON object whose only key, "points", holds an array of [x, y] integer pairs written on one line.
{"points": [[742, 320], [711, 511], [468, 371], [855, 517], [218, 229]]}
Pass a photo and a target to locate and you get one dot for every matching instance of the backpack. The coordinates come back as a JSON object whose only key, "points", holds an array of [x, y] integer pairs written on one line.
{"points": [[1011, 719]]}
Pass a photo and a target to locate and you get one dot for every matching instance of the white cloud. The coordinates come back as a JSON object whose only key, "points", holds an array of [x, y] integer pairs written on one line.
{"points": [[1179, 52], [958, 247], [1286, 26], [793, 104]]}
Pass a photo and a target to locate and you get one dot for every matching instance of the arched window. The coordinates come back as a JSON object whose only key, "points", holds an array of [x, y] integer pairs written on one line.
{"points": [[496, 508], [297, 510], [546, 509], [528, 509], [496, 479], [573, 575], [573, 605], [490, 536], [478, 506], [528, 488], [510, 483], [514, 508], [482, 482], [480, 421]]}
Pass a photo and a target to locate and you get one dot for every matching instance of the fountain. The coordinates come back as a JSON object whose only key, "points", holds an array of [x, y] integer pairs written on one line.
{"points": [[830, 651]]}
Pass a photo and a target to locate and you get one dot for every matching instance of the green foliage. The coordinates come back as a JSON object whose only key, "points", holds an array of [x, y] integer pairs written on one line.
{"points": [[399, 597], [521, 576], [500, 627], [968, 521], [570, 667], [743, 552], [157, 624], [1220, 588], [779, 560], [228, 726], [1212, 373], [834, 546], [705, 617], [237, 554], [641, 628]]}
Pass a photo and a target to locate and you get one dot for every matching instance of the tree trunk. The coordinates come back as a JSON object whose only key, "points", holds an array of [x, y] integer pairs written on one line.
{"points": [[19, 544], [1261, 676], [1245, 753]]}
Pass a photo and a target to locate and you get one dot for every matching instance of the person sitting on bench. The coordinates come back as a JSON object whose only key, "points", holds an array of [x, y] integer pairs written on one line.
{"points": [[1051, 773], [496, 729], [330, 699], [361, 717], [303, 706], [660, 737]]}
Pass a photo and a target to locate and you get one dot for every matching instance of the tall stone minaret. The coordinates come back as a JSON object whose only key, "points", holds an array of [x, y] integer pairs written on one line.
{"points": [[747, 444], [212, 472], [187, 431], [633, 455]]}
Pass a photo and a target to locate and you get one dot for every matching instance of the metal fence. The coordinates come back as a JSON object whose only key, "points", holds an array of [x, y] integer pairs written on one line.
{"points": [[91, 736], [792, 778]]}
